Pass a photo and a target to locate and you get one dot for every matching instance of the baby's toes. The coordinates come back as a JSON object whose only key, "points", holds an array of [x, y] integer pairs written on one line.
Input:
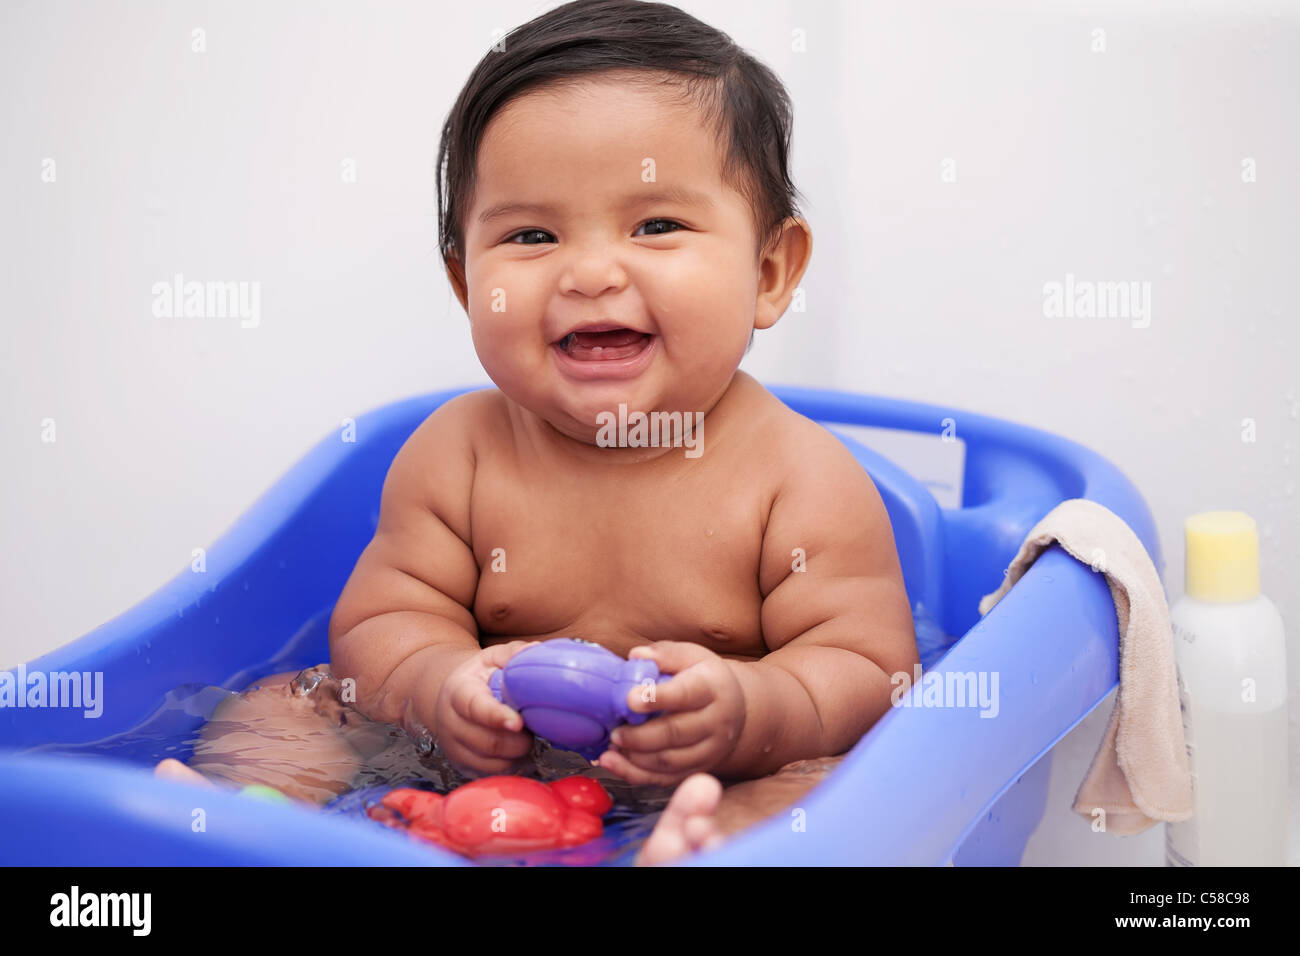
{"points": [[172, 769], [702, 833]]}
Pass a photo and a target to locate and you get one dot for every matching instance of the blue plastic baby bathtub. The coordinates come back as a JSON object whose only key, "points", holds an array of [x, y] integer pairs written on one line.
{"points": [[927, 785]]}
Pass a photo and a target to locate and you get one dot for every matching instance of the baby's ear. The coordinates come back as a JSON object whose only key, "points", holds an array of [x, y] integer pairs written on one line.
{"points": [[782, 267], [456, 276]]}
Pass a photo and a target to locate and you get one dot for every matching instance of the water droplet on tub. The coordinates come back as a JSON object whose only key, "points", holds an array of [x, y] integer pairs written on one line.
{"points": [[1033, 677]]}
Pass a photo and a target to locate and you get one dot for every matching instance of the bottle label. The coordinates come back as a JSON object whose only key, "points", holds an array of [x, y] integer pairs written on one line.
{"points": [[1179, 836], [1181, 839]]}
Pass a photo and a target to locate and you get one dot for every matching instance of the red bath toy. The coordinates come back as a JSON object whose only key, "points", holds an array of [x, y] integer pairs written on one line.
{"points": [[500, 815]]}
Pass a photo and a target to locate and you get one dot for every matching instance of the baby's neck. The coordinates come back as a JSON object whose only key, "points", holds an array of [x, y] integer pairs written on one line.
{"points": [[638, 438]]}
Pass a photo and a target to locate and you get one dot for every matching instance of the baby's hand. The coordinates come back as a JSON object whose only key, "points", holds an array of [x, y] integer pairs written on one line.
{"points": [[479, 734], [701, 713]]}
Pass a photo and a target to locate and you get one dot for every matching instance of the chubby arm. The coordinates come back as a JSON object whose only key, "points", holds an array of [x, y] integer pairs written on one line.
{"points": [[403, 623], [837, 630]]}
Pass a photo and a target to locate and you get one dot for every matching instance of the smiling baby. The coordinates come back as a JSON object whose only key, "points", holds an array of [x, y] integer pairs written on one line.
{"points": [[617, 219]]}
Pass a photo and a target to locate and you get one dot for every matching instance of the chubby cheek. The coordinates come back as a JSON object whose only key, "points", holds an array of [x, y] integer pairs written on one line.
{"points": [[510, 364], [504, 322], [706, 316]]}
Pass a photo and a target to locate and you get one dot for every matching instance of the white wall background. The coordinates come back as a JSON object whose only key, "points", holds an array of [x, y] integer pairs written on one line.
{"points": [[1117, 165]]}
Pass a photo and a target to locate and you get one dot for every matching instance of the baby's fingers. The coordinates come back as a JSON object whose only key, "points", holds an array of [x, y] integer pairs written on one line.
{"points": [[498, 655], [474, 701], [667, 732], [680, 761], [663, 769], [689, 690], [621, 767], [497, 744]]}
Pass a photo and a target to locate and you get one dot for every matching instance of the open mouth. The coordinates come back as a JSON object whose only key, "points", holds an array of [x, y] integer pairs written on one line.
{"points": [[609, 345]]}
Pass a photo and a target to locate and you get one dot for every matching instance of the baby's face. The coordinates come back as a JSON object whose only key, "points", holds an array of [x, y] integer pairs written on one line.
{"points": [[601, 207]]}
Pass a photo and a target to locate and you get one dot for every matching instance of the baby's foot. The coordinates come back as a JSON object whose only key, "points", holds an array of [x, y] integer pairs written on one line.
{"points": [[688, 823], [171, 769]]}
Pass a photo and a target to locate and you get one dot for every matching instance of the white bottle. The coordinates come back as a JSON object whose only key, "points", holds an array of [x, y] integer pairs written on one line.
{"points": [[1231, 659]]}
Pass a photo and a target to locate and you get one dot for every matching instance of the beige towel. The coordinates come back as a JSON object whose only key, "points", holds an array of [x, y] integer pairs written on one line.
{"points": [[1139, 775]]}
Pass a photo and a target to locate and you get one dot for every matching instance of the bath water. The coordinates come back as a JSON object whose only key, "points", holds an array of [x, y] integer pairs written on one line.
{"points": [[389, 757]]}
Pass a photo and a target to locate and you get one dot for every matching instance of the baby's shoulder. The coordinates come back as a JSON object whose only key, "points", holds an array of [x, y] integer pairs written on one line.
{"points": [[436, 463], [456, 423], [800, 446], [822, 495]]}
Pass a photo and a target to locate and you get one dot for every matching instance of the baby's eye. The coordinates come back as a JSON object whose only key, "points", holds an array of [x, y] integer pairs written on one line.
{"points": [[669, 222], [528, 232]]}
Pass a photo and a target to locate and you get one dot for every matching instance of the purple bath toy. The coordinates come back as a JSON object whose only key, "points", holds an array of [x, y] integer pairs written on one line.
{"points": [[573, 692]]}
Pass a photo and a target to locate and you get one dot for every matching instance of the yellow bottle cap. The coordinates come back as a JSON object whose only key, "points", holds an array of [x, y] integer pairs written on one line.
{"points": [[1222, 556]]}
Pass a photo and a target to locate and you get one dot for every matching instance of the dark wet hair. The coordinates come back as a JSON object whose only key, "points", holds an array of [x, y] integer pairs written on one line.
{"points": [[745, 100]]}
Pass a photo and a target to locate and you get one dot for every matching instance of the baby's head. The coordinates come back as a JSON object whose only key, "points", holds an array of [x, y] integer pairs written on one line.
{"points": [[616, 211]]}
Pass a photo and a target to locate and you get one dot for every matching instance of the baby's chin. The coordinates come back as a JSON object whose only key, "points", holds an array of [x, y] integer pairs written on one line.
{"points": [[586, 418], [600, 416], [583, 405], [590, 412]]}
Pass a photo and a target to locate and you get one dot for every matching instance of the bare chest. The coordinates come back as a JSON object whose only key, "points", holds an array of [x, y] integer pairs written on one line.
{"points": [[620, 563]]}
